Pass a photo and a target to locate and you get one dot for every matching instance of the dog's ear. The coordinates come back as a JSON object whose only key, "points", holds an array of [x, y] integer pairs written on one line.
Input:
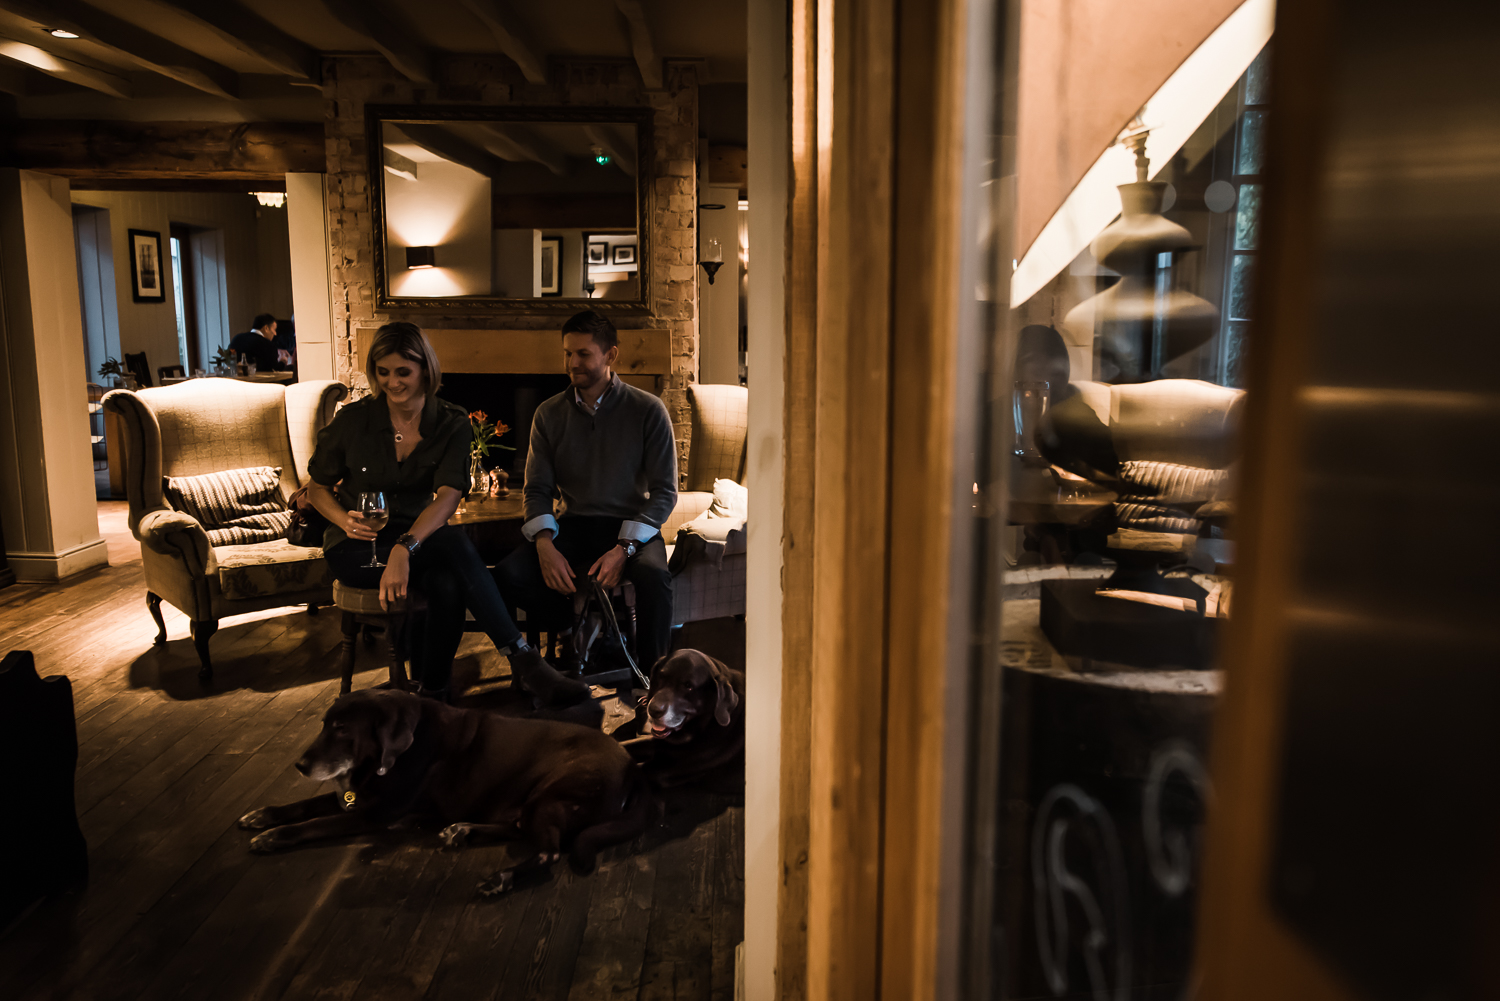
{"points": [[398, 728], [728, 698]]}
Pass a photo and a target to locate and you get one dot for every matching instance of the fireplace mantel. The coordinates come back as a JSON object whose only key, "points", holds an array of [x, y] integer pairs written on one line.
{"points": [[643, 353]]}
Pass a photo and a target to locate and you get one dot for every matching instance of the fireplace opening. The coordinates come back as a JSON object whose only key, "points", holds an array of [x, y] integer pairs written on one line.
{"points": [[510, 399]]}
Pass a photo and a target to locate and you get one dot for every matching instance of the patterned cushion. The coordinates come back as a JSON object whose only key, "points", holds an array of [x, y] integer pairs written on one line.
{"points": [[720, 422], [270, 568], [1165, 496], [235, 506]]}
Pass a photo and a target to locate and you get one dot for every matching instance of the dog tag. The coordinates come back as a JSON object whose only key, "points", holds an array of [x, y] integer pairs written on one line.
{"points": [[349, 800]]}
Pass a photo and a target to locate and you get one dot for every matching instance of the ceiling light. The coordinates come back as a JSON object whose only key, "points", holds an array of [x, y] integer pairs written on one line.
{"points": [[418, 258], [270, 199], [60, 33]]}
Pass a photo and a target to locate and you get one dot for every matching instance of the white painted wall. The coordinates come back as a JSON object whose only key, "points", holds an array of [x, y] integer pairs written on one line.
{"points": [[770, 155], [719, 303], [312, 303], [448, 208], [46, 467]]}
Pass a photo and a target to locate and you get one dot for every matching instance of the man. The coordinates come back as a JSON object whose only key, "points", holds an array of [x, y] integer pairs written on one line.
{"points": [[257, 345], [607, 449]]}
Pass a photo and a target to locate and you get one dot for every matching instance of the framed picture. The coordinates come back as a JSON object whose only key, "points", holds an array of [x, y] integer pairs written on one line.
{"points": [[624, 253], [147, 282], [551, 280], [598, 252]]}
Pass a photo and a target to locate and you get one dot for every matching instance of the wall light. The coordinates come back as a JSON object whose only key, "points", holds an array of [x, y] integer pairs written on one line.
{"points": [[270, 199], [712, 259], [421, 257], [60, 33]]}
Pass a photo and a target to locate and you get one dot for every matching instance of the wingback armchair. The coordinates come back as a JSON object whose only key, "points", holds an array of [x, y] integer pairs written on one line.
{"points": [[213, 425]]}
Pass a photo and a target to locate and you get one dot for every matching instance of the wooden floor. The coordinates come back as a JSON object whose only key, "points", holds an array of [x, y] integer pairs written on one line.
{"points": [[177, 907]]}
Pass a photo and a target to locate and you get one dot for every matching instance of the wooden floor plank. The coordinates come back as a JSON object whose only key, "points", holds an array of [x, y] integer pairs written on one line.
{"points": [[679, 944], [608, 967], [728, 899]]}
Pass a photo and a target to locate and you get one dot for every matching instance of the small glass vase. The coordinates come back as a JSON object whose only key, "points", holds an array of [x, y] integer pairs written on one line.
{"points": [[476, 476]]}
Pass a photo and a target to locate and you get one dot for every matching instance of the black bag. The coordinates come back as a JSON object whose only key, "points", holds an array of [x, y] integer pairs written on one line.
{"points": [[308, 523]]}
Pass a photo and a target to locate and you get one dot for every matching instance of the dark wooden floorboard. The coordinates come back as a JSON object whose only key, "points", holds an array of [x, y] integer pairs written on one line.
{"points": [[178, 908]]}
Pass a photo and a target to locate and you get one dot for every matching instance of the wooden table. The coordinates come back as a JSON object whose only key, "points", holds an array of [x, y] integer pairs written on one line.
{"points": [[493, 524]]}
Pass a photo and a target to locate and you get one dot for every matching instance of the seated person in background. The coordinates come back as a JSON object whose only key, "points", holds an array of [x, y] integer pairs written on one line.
{"points": [[257, 345], [413, 447], [607, 449]]}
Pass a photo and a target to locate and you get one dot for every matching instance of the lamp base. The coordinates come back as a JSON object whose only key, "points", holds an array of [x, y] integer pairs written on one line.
{"points": [[712, 267]]}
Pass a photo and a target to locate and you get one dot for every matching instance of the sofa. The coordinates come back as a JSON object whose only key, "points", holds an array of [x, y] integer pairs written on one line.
{"points": [[175, 435], [706, 540]]}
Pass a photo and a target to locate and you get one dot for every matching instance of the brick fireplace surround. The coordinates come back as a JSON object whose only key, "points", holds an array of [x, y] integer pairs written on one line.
{"points": [[350, 82]]}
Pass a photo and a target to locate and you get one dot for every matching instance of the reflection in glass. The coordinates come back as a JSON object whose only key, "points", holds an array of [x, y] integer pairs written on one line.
{"points": [[514, 209], [1258, 79], [1241, 287], [1247, 220], [1252, 142]]}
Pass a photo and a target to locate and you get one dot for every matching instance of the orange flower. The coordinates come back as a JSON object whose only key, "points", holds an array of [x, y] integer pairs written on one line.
{"points": [[501, 427], [478, 416]]}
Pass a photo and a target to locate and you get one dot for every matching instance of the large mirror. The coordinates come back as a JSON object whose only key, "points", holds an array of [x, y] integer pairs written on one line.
{"points": [[524, 209]]}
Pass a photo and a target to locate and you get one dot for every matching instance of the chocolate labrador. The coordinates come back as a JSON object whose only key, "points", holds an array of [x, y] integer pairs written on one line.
{"points": [[693, 717], [395, 756]]}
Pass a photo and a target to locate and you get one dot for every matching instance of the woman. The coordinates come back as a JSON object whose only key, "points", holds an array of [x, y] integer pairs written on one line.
{"points": [[414, 448]]}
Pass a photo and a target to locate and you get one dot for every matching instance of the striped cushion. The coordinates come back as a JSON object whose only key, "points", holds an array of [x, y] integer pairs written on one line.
{"points": [[235, 506], [1173, 485]]}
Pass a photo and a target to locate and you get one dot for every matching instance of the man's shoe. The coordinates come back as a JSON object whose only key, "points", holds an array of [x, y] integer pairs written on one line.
{"points": [[533, 674]]}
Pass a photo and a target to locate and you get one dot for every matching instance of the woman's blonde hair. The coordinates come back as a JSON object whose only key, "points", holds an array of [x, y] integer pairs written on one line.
{"points": [[408, 341]]}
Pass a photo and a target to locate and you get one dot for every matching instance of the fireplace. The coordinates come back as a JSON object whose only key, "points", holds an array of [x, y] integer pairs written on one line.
{"points": [[510, 399]]}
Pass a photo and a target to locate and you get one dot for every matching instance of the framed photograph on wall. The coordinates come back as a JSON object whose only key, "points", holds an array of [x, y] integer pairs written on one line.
{"points": [[148, 283], [598, 252], [624, 253], [551, 279]]}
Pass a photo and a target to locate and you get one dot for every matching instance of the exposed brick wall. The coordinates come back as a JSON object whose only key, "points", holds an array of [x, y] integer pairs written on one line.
{"points": [[350, 82]]}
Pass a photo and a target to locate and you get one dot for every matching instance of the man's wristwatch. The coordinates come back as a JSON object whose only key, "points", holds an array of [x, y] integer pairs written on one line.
{"points": [[628, 545], [411, 542]]}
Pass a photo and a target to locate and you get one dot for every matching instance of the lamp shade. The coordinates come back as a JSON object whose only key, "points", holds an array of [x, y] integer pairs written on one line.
{"points": [[421, 257], [1087, 67]]}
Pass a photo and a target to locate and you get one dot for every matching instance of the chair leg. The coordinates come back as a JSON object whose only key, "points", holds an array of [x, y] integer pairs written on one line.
{"points": [[202, 632], [395, 635], [346, 653], [312, 607], [153, 603]]}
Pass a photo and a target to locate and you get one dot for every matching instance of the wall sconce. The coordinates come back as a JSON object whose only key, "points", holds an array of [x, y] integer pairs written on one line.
{"points": [[421, 257], [713, 259]]}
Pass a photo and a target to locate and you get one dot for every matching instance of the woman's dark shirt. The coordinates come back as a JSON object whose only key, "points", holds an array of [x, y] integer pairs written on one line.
{"points": [[357, 452]]}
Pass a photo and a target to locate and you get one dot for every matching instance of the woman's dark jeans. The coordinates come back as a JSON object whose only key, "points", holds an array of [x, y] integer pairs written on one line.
{"points": [[448, 572]]}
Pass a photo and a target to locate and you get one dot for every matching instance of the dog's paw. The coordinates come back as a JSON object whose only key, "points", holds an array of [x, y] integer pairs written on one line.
{"points": [[501, 882], [455, 835], [266, 843], [257, 820]]}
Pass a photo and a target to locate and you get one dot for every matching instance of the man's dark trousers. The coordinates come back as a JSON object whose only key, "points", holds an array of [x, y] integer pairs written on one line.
{"points": [[582, 540]]}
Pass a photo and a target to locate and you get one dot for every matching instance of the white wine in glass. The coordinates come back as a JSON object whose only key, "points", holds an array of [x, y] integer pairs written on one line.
{"points": [[372, 507]]}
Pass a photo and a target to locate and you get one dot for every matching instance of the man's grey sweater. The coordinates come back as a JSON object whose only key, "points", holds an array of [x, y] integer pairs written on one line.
{"points": [[619, 462]]}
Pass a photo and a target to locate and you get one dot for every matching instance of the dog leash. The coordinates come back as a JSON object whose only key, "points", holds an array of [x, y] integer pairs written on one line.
{"points": [[609, 616]]}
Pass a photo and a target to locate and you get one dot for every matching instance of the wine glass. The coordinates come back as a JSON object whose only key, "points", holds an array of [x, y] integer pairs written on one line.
{"points": [[372, 507]]}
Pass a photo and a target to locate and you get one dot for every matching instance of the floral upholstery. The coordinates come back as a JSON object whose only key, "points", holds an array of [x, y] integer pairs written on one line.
{"points": [[268, 568]]}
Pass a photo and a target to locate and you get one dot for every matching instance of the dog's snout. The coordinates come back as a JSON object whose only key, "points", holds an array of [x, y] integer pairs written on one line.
{"points": [[656, 709]]}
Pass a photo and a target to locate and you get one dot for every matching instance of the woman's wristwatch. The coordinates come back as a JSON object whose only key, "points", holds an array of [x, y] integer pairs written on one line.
{"points": [[628, 545], [411, 542]]}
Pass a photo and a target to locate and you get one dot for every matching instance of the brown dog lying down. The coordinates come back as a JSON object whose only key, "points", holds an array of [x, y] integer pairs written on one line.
{"points": [[396, 756], [693, 717]]}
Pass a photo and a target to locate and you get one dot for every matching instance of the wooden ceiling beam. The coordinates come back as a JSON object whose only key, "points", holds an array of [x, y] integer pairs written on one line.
{"points": [[120, 149], [251, 34], [440, 142], [136, 44], [512, 42], [65, 69], [513, 146], [641, 45], [363, 17]]}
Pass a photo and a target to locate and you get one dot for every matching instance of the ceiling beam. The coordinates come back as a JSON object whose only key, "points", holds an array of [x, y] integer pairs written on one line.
{"points": [[398, 164], [514, 146], [65, 69], [363, 17], [512, 42], [251, 34], [440, 142], [136, 44], [120, 149], [620, 155], [641, 44]]}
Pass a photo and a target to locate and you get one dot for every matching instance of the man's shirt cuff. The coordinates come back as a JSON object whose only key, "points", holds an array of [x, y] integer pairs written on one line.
{"points": [[537, 524], [637, 531]]}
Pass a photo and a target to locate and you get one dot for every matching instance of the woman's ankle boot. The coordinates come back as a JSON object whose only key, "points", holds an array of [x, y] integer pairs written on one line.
{"points": [[535, 675]]}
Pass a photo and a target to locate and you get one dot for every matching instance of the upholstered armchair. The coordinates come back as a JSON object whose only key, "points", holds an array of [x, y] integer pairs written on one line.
{"points": [[209, 426], [707, 553]]}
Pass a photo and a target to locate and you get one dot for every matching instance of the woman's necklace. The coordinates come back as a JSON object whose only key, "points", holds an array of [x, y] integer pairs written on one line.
{"points": [[407, 426]]}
